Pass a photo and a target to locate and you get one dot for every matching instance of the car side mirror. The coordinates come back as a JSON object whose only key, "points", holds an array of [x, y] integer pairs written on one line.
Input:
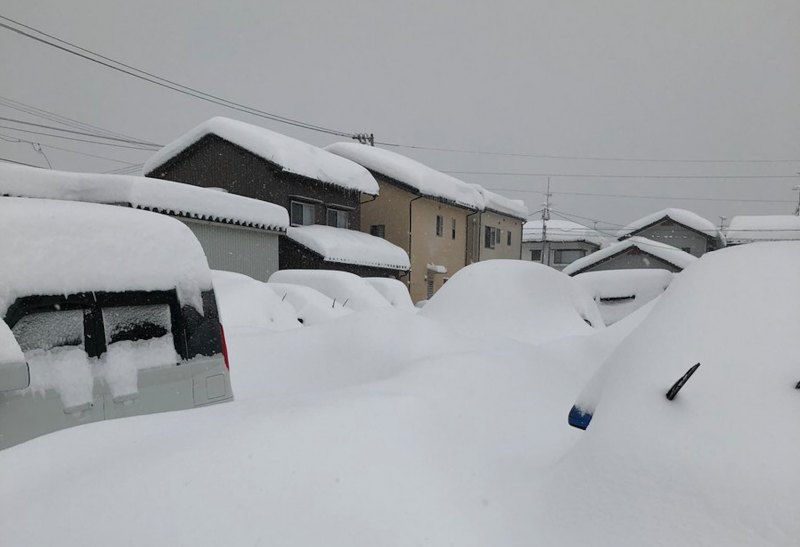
{"points": [[14, 375]]}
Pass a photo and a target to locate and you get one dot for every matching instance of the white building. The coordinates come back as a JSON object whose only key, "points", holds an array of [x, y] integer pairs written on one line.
{"points": [[567, 242]]}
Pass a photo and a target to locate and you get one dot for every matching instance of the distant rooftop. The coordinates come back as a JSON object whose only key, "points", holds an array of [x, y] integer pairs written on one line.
{"points": [[561, 230], [744, 229], [672, 255], [681, 216]]}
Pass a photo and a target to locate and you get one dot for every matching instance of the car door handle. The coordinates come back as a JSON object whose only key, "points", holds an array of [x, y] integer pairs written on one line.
{"points": [[125, 398], [77, 409]]}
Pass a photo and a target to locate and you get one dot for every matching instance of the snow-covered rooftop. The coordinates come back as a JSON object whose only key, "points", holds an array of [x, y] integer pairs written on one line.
{"points": [[667, 253], [350, 246], [561, 230], [495, 202], [427, 181], [292, 155], [744, 229], [681, 216], [142, 193], [55, 247]]}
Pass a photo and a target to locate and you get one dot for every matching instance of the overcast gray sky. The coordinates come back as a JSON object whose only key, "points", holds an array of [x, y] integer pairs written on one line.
{"points": [[667, 79]]}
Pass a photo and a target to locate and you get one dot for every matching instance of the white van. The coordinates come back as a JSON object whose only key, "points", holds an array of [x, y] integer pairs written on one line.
{"points": [[112, 313]]}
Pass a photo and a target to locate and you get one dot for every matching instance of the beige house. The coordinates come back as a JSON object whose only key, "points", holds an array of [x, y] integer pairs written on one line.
{"points": [[440, 221]]}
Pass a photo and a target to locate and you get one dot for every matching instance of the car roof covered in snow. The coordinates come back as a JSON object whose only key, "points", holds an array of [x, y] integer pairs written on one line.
{"points": [[681, 216], [743, 229], [559, 230], [423, 179], [163, 196], [292, 155], [667, 253], [52, 247], [350, 246], [345, 288]]}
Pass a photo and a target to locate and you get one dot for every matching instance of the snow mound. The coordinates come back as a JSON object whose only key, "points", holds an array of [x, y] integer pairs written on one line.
{"points": [[681, 216], [350, 246], [246, 303], [394, 291], [678, 258], [517, 299], [173, 198], [423, 179], [718, 464], [744, 229], [345, 288], [619, 293], [292, 155], [561, 230], [311, 306], [57, 247]]}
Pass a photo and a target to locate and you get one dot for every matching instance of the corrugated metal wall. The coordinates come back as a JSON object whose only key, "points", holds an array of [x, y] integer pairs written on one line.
{"points": [[236, 249]]}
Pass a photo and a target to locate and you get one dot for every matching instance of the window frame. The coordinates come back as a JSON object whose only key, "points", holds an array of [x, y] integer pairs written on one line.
{"points": [[340, 213], [557, 253], [536, 258], [454, 228], [305, 206], [508, 238], [489, 237], [378, 230], [439, 226]]}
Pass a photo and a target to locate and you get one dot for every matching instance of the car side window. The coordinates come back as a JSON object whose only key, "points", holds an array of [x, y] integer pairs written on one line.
{"points": [[134, 323], [47, 330]]}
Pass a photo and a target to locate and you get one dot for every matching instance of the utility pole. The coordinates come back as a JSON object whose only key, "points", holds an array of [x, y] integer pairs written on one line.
{"points": [[722, 220], [797, 189], [365, 138], [545, 218]]}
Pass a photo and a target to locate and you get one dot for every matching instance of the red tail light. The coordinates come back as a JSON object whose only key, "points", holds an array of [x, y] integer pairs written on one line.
{"points": [[224, 347]]}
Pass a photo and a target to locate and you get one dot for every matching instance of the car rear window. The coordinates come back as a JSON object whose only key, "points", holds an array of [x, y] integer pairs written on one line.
{"points": [[49, 329], [133, 323]]}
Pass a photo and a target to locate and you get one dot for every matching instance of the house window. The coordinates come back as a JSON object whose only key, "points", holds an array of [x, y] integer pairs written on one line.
{"points": [[536, 255], [302, 213], [568, 256], [489, 237], [454, 228], [430, 287], [378, 230], [439, 225], [498, 236], [686, 250], [508, 238], [338, 218]]}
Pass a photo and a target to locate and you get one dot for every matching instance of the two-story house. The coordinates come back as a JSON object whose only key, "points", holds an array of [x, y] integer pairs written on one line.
{"points": [[321, 191], [683, 229], [562, 243], [419, 209], [496, 230]]}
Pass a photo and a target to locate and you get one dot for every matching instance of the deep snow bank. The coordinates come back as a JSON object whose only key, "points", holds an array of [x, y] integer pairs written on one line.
{"points": [[719, 464], [517, 299]]}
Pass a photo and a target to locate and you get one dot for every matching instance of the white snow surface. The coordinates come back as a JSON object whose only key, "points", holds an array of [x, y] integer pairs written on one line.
{"points": [[501, 204], [665, 252], [9, 349], [682, 216], [246, 303], [142, 193], [718, 464], [311, 306], [56, 247], [643, 285], [559, 230], [518, 299], [292, 155], [350, 246], [425, 180], [394, 291], [744, 229], [346, 288]]}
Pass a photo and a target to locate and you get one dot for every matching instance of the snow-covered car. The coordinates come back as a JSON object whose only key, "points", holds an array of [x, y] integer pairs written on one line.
{"points": [[311, 306], [394, 291], [345, 288], [113, 311]]}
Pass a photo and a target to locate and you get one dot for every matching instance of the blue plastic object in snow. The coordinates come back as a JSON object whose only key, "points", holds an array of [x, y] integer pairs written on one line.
{"points": [[578, 418]]}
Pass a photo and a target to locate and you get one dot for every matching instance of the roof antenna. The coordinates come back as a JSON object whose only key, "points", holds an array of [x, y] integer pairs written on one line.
{"points": [[676, 387]]}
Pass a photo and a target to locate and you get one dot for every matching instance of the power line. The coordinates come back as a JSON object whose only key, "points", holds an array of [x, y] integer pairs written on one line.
{"points": [[64, 120], [76, 139], [73, 132], [20, 163], [587, 158], [9, 138], [163, 82], [584, 175], [639, 196]]}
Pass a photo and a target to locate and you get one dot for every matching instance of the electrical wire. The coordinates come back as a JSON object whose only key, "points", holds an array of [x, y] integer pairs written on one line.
{"points": [[639, 196], [9, 138], [20, 163], [77, 140], [162, 82], [74, 132], [601, 176]]}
